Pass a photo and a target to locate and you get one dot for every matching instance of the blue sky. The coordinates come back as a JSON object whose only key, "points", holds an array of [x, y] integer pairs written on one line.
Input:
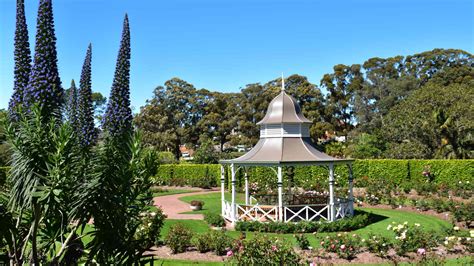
{"points": [[223, 45]]}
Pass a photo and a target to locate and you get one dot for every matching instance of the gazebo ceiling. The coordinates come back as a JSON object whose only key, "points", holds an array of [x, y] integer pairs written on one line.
{"points": [[284, 138]]}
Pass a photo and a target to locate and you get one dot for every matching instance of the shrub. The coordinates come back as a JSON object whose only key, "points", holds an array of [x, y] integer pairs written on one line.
{"points": [[263, 250], [464, 212], [378, 244], [347, 224], [166, 157], [203, 242], [214, 219], [178, 238], [302, 241], [409, 238], [345, 245], [220, 242]]}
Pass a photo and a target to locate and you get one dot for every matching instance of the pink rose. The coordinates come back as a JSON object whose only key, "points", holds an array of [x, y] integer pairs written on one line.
{"points": [[230, 253], [343, 247], [421, 251], [274, 248], [322, 243]]}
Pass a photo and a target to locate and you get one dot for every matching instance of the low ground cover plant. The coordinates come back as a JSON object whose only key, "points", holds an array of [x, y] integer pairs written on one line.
{"points": [[214, 219], [345, 245], [358, 221], [410, 238], [264, 250], [378, 244]]}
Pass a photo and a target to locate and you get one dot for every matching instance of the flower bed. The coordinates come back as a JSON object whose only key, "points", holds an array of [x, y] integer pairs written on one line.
{"points": [[361, 219]]}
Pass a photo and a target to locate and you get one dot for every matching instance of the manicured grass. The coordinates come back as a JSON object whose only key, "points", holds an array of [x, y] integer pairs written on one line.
{"points": [[212, 204], [212, 201], [172, 192], [449, 262]]}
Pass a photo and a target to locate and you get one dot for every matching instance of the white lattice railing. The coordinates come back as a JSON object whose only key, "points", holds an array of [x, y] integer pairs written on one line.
{"points": [[227, 210], [257, 212], [305, 212], [343, 209]]}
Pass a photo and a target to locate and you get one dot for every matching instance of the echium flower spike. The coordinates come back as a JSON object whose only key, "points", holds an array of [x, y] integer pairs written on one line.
{"points": [[22, 56], [118, 116], [87, 132], [72, 107], [44, 86]]}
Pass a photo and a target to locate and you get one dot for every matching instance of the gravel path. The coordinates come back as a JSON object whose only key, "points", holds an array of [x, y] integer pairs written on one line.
{"points": [[173, 207]]}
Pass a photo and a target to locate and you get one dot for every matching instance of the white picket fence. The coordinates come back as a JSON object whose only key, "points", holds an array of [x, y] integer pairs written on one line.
{"points": [[306, 212]]}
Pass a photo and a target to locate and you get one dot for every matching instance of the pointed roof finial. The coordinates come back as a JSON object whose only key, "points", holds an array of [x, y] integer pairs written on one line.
{"points": [[282, 82]]}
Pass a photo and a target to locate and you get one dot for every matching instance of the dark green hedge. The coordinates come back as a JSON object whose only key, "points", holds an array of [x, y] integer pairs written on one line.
{"points": [[446, 172], [196, 175], [361, 219]]}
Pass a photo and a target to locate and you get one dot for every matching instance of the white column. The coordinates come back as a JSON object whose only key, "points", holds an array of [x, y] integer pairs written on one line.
{"points": [[332, 209], [280, 194], [247, 194], [223, 190], [351, 189], [234, 207]]}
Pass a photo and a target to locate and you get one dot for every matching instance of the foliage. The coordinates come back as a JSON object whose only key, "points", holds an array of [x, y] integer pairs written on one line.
{"points": [[409, 238], [22, 59], [344, 244], [179, 238], [202, 242], [214, 219], [264, 250], [378, 244], [302, 241], [365, 146], [220, 242], [206, 152], [44, 181], [196, 175], [440, 127], [348, 224], [5, 152], [166, 157]]}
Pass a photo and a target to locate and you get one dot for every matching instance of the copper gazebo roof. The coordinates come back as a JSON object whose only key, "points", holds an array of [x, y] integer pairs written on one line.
{"points": [[284, 138]]}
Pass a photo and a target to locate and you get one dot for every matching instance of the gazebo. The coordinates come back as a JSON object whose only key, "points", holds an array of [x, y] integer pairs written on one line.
{"points": [[285, 141]]}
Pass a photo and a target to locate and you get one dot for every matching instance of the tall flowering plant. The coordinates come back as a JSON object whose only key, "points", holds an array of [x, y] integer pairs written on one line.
{"points": [[22, 56], [44, 86]]}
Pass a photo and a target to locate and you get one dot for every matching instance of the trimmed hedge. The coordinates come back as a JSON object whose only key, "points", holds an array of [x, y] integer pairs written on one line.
{"points": [[446, 172], [361, 219], [195, 175]]}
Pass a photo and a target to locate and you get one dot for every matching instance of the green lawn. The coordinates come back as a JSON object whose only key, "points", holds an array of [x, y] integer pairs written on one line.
{"points": [[172, 192], [212, 204], [212, 201], [165, 262]]}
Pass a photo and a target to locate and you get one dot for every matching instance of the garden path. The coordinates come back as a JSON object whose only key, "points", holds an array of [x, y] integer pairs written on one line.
{"points": [[174, 208]]}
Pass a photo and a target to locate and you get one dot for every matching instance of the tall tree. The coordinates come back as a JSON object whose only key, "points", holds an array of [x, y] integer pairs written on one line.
{"points": [[220, 116], [87, 133], [44, 86], [169, 118], [118, 115], [22, 56], [340, 99]]}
